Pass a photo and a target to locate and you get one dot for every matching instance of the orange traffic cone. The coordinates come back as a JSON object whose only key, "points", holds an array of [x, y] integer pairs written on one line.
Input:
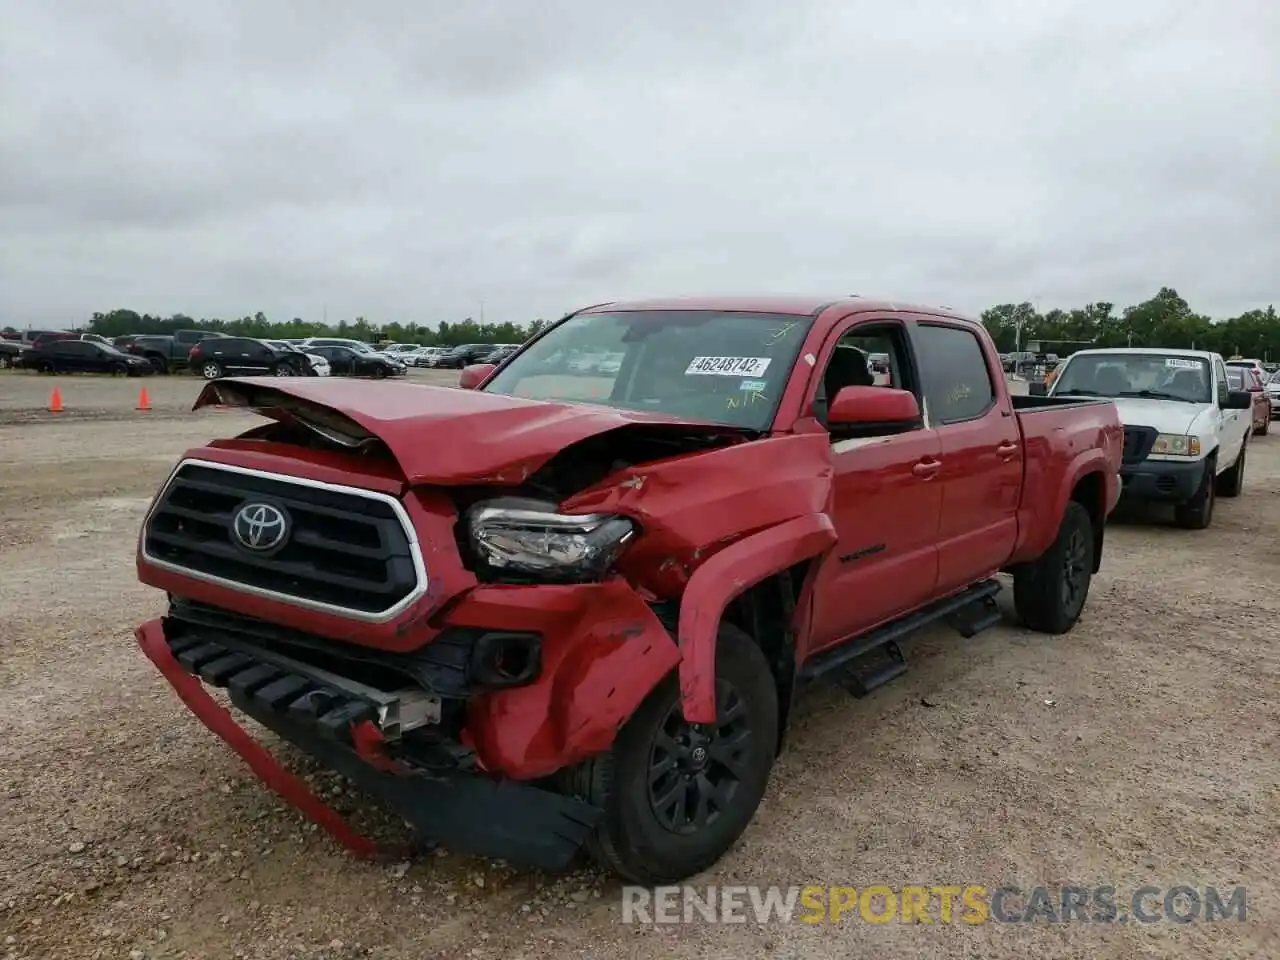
{"points": [[55, 401], [144, 401]]}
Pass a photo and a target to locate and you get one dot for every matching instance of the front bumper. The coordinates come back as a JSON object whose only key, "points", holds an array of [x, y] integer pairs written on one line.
{"points": [[448, 799], [1164, 480]]}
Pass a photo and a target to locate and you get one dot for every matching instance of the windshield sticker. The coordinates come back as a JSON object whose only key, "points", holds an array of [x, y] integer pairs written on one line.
{"points": [[1184, 364], [753, 386], [727, 366]]}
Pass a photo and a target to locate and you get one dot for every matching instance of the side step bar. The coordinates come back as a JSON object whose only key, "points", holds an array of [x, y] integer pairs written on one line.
{"points": [[970, 611]]}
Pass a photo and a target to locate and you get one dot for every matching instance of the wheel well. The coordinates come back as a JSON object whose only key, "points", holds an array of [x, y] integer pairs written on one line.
{"points": [[1090, 492], [764, 612]]}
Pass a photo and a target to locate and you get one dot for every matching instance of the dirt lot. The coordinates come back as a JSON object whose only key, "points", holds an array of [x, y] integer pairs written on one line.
{"points": [[1140, 749]]}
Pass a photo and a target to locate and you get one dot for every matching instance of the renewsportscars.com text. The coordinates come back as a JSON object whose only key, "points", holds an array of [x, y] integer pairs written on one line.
{"points": [[971, 904]]}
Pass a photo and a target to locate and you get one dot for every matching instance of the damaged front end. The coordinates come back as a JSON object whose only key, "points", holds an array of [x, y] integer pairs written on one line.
{"points": [[453, 624]]}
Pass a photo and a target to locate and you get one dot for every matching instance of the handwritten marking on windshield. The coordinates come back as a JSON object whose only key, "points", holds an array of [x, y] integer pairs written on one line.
{"points": [[778, 334]]}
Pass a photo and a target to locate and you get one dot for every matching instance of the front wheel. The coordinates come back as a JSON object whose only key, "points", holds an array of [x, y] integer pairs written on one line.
{"points": [[1197, 513], [676, 796], [1230, 482], [283, 370], [379, 373], [1049, 593], [119, 370]]}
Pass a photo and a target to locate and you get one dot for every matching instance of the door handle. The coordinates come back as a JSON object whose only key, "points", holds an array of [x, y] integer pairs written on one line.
{"points": [[926, 469], [1007, 449]]}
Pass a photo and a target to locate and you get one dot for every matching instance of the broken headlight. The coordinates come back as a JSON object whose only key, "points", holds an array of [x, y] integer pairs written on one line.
{"points": [[529, 538]]}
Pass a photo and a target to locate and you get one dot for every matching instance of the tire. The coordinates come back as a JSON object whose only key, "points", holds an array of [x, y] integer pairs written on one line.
{"points": [[1230, 482], [46, 366], [1049, 593], [1266, 426], [211, 370], [1197, 513], [283, 370], [119, 370], [379, 373], [158, 364], [6, 361], [632, 840]]}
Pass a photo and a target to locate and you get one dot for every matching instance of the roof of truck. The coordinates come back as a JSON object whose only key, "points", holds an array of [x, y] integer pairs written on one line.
{"points": [[798, 305], [1161, 351]]}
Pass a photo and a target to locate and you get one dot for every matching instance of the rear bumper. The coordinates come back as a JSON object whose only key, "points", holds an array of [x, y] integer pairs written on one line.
{"points": [[1162, 480], [447, 800]]}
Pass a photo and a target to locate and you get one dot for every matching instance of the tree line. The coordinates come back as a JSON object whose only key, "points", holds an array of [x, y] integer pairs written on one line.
{"points": [[1165, 320]]}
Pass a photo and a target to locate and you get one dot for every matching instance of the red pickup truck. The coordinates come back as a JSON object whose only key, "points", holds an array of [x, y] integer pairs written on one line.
{"points": [[571, 607]]}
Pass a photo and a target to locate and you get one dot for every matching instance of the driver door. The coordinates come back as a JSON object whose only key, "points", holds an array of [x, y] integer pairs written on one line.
{"points": [[887, 499]]}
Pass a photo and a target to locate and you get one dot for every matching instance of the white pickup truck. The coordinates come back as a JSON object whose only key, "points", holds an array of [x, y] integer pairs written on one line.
{"points": [[1185, 430]]}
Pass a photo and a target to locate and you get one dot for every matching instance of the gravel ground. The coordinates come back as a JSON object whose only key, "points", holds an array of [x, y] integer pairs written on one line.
{"points": [[1140, 749]]}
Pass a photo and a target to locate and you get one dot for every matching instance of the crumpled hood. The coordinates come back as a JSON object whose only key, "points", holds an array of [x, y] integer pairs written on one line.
{"points": [[440, 435]]}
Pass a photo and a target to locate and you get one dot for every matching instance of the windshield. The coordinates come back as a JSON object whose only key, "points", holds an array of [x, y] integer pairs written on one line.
{"points": [[713, 366], [110, 350], [1151, 375]]}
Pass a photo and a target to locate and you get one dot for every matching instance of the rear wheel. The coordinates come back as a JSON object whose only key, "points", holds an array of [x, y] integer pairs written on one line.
{"points": [[1049, 593], [676, 796], [211, 370], [1197, 513]]}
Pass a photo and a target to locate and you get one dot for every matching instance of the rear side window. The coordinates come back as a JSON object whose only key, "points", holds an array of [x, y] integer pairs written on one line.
{"points": [[957, 382]]}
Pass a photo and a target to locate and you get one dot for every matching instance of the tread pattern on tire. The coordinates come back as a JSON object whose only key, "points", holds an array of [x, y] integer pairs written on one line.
{"points": [[1037, 595], [596, 780]]}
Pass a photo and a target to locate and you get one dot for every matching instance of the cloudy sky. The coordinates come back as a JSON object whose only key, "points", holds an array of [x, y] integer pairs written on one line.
{"points": [[413, 160]]}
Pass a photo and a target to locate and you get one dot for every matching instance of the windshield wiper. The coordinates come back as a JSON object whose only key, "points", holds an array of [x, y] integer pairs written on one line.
{"points": [[1155, 395], [1078, 392]]}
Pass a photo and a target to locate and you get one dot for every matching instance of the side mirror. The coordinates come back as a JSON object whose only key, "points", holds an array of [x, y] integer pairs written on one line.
{"points": [[1239, 400], [474, 375], [1037, 389], [873, 410]]}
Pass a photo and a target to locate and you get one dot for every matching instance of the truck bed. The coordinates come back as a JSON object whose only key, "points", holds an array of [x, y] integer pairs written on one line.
{"points": [[1028, 404]]}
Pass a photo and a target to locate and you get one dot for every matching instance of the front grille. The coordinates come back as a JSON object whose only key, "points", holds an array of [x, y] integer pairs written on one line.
{"points": [[345, 550], [1138, 442]]}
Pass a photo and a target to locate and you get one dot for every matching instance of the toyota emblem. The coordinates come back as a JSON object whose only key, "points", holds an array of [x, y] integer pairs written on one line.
{"points": [[260, 526]]}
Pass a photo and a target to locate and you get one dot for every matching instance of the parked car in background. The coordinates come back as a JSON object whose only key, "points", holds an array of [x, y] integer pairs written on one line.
{"points": [[82, 356], [424, 356], [1185, 430], [1244, 378], [398, 350], [345, 361], [166, 352], [1273, 393], [501, 353], [347, 342], [319, 365], [10, 352], [464, 355], [246, 356], [1249, 363]]}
